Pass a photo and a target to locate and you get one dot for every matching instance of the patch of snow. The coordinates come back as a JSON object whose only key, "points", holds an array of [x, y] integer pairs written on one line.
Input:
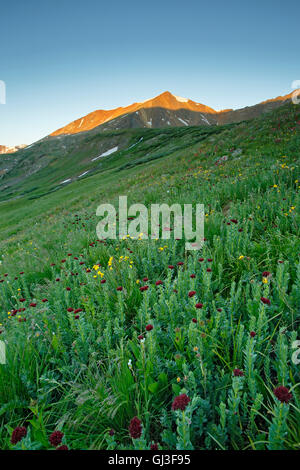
{"points": [[181, 120], [204, 119], [66, 181], [133, 145], [182, 100], [82, 174], [80, 124], [149, 122], [108, 152]]}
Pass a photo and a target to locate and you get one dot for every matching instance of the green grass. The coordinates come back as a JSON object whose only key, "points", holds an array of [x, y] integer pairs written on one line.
{"points": [[73, 374]]}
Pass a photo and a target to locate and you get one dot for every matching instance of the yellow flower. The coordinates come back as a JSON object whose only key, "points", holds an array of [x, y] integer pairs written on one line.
{"points": [[178, 379], [265, 280], [241, 257], [195, 349]]}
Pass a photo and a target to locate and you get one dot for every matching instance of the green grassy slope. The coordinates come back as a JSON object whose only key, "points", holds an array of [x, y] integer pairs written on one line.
{"points": [[72, 373]]}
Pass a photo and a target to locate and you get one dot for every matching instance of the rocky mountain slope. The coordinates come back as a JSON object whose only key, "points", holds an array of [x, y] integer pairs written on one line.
{"points": [[56, 162], [166, 110]]}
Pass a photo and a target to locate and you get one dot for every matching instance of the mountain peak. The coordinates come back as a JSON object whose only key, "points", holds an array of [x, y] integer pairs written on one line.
{"points": [[165, 110], [165, 100]]}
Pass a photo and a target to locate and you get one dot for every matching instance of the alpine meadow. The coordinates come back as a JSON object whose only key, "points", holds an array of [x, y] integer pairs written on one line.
{"points": [[138, 343]]}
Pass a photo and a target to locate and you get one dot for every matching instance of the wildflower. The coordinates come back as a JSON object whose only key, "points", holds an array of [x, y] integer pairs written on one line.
{"points": [[192, 293], [171, 266], [18, 434], [22, 300], [252, 334], [149, 327], [103, 281], [194, 320], [238, 373], [56, 438], [208, 270], [158, 283], [140, 337], [145, 279], [180, 263], [111, 432], [219, 309], [44, 300], [78, 310], [135, 428], [282, 394], [129, 364], [180, 402], [154, 446], [32, 304], [241, 257], [199, 305], [143, 288], [70, 309], [265, 301], [178, 379], [68, 288], [266, 274], [63, 447], [119, 288], [192, 276], [201, 259]]}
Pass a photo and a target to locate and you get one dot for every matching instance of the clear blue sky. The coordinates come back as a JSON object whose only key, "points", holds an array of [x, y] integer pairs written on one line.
{"points": [[61, 59]]}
